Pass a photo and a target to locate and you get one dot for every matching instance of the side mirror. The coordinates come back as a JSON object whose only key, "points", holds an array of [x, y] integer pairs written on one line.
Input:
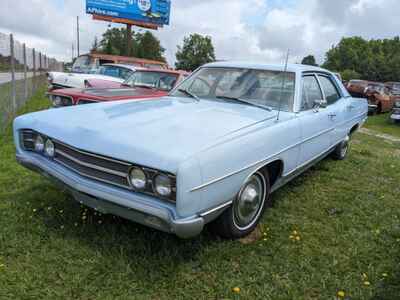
{"points": [[320, 104]]}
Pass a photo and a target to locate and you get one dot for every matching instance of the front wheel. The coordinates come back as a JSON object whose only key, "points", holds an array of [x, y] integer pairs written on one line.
{"points": [[341, 150], [246, 210]]}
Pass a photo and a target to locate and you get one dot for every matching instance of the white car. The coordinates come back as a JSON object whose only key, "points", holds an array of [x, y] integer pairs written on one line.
{"points": [[111, 72]]}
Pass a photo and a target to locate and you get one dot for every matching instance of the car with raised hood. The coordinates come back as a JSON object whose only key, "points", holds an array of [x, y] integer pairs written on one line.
{"points": [[380, 98], [395, 115], [111, 72], [212, 151], [143, 84]]}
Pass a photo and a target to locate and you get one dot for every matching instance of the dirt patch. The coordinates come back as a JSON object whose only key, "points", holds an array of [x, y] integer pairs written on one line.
{"points": [[384, 136]]}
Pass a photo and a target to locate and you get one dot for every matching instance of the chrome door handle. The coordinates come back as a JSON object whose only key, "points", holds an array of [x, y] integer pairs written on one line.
{"points": [[332, 116]]}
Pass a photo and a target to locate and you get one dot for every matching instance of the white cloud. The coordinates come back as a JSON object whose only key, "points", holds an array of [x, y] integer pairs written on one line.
{"points": [[259, 30]]}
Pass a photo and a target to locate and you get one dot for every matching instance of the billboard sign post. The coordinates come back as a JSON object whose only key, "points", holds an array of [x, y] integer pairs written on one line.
{"points": [[146, 13]]}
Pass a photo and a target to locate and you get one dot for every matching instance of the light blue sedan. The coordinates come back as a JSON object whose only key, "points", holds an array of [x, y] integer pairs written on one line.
{"points": [[212, 151]]}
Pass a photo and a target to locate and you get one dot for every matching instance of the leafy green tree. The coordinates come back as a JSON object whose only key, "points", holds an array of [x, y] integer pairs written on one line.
{"points": [[349, 74], [144, 45], [197, 50], [148, 46], [377, 60], [309, 60], [95, 45]]}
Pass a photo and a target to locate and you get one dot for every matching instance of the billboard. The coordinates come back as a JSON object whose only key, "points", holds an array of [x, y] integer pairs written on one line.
{"points": [[155, 12]]}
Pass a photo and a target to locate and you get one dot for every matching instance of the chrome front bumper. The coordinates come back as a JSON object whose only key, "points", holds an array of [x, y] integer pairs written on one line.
{"points": [[372, 107], [106, 199]]}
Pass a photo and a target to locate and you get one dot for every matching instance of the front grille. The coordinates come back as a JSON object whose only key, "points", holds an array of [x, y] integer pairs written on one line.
{"points": [[93, 166]]}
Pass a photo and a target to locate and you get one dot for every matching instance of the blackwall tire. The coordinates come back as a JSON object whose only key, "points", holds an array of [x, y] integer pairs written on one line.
{"points": [[342, 149]]}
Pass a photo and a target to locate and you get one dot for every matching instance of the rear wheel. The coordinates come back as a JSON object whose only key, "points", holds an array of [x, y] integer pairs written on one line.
{"points": [[341, 150], [246, 210]]}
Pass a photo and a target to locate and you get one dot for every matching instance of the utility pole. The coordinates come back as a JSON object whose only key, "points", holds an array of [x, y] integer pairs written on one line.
{"points": [[128, 39], [77, 35]]}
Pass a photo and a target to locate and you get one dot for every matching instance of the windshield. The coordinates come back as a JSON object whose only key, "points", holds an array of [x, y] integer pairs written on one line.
{"points": [[115, 71], [259, 87], [158, 80]]}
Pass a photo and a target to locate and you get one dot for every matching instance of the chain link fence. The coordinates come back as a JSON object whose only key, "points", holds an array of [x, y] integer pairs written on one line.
{"points": [[22, 73]]}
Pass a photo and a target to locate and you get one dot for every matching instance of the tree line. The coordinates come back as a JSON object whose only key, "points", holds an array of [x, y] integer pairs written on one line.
{"points": [[195, 51], [358, 58], [353, 57]]}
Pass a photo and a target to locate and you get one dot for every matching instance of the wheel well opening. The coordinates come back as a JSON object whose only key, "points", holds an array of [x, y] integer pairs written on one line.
{"points": [[274, 170], [355, 127]]}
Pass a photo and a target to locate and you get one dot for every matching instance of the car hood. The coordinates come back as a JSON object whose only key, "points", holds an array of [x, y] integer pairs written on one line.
{"points": [[161, 133], [70, 78]]}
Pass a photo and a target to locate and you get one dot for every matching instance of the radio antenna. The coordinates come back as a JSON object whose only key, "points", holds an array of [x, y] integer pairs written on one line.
{"points": [[283, 85]]}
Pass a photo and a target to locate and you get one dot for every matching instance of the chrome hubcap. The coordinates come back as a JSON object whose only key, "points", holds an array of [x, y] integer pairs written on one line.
{"points": [[249, 202]]}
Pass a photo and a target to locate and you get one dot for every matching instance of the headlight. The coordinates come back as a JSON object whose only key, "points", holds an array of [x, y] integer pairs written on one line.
{"points": [[137, 178], [163, 185], [397, 104], [39, 144], [49, 148]]}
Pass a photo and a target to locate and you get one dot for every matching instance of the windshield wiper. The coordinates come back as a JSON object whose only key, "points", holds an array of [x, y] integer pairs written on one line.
{"points": [[190, 94], [245, 102]]}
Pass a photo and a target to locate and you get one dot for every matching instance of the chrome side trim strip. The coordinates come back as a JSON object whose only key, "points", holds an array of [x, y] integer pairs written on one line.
{"points": [[109, 171], [208, 212], [94, 155], [258, 162], [271, 156]]}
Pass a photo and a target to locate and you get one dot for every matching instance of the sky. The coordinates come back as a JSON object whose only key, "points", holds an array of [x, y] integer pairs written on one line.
{"points": [[253, 30]]}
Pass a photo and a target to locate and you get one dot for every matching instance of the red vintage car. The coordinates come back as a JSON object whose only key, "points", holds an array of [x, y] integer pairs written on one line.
{"points": [[143, 84]]}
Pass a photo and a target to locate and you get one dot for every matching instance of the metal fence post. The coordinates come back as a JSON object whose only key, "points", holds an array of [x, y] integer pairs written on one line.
{"points": [[34, 69], [13, 83], [25, 72], [40, 63]]}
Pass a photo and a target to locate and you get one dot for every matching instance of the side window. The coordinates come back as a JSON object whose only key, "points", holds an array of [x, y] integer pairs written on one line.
{"points": [[331, 93], [311, 92]]}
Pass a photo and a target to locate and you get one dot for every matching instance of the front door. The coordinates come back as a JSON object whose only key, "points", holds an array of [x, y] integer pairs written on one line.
{"points": [[316, 123]]}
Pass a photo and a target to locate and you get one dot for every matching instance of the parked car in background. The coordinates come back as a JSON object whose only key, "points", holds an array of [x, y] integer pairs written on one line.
{"points": [[112, 72], [394, 87], [87, 62], [143, 84], [395, 116], [357, 87], [380, 99], [212, 151]]}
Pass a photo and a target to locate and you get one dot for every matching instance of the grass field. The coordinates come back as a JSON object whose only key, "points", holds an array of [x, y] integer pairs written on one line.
{"points": [[383, 124], [332, 233]]}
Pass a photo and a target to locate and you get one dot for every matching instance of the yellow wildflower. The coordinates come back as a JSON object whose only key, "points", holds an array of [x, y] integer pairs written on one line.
{"points": [[341, 294], [236, 290], [298, 238], [385, 274], [367, 283]]}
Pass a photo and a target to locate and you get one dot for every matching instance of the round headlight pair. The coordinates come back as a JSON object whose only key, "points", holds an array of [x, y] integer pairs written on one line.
{"points": [[44, 146], [162, 183]]}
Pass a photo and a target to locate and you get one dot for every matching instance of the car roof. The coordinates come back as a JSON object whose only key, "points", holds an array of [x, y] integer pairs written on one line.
{"points": [[264, 66], [177, 72], [126, 66]]}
